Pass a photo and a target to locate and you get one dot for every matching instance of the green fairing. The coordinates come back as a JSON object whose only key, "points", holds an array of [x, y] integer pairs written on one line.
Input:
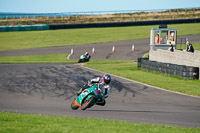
{"points": [[88, 93], [82, 57]]}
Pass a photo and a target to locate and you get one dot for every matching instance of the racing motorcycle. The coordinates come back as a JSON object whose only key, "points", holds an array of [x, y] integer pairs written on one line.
{"points": [[88, 98], [84, 58]]}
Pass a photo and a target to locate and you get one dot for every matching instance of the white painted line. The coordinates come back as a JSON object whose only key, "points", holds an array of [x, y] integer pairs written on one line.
{"points": [[133, 81], [69, 56]]}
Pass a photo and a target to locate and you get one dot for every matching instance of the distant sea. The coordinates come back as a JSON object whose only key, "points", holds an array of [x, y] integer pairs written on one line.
{"points": [[18, 15]]}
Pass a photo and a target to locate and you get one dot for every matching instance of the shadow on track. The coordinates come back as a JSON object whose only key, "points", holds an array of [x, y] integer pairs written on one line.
{"points": [[52, 80], [130, 111]]}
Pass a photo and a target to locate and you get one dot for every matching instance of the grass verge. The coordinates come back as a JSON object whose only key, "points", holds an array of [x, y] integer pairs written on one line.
{"points": [[128, 69], [23, 123], [49, 58], [51, 38]]}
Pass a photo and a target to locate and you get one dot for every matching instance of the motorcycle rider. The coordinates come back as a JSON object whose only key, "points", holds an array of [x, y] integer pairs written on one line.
{"points": [[87, 55], [103, 84], [84, 58]]}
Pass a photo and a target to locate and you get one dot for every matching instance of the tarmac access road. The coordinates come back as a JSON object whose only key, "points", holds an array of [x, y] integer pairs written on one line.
{"points": [[102, 50], [50, 89]]}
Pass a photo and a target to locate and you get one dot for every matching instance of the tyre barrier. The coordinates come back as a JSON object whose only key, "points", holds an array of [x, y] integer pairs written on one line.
{"points": [[186, 72]]}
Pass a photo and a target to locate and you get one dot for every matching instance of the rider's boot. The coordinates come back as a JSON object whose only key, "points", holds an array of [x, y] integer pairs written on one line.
{"points": [[79, 92], [101, 102]]}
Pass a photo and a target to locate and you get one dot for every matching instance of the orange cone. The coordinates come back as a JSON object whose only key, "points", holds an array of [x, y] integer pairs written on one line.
{"points": [[133, 48], [113, 49], [93, 50], [72, 51]]}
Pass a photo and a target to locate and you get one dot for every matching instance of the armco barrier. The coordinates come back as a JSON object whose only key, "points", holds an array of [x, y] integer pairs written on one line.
{"points": [[186, 72], [24, 28], [94, 25], [121, 24]]}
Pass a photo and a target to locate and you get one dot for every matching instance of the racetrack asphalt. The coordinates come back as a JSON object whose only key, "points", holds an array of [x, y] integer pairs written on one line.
{"points": [[50, 88]]}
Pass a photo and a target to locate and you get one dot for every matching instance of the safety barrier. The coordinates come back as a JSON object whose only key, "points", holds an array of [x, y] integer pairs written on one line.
{"points": [[122, 24], [186, 72], [24, 28], [94, 25]]}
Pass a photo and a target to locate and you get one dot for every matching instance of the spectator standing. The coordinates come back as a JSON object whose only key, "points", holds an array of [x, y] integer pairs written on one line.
{"points": [[189, 47], [171, 48]]}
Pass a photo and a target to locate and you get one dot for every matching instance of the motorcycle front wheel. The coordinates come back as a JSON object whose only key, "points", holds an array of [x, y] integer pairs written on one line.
{"points": [[74, 106], [86, 104]]}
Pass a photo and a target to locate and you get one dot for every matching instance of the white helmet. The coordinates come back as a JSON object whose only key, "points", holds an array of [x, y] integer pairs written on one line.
{"points": [[86, 53]]}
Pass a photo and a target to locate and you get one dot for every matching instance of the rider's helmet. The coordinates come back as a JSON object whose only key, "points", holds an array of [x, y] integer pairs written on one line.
{"points": [[106, 78], [86, 53]]}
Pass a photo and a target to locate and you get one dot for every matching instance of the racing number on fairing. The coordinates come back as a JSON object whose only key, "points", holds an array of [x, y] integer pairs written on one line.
{"points": [[85, 92]]}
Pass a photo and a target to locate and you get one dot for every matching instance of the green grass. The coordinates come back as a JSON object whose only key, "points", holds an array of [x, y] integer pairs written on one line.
{"points": [[51, 38], [27, 123], [128, 69], [50, 58]]}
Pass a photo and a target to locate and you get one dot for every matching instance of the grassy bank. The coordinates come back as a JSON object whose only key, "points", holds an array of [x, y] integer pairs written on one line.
{"points": [[51, 38], [23, 123], [128, 69], [49, 58], [101, 17]]}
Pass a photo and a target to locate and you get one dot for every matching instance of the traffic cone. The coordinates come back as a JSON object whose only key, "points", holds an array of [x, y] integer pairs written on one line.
{"points": [[133, 48], [93, 50], [113, 49], [72, 51]]}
